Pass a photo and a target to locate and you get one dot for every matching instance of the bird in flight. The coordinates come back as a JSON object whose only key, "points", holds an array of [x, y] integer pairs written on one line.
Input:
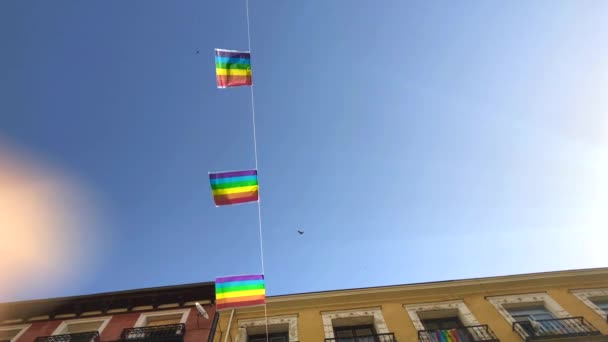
{"points": [[300, 232]]}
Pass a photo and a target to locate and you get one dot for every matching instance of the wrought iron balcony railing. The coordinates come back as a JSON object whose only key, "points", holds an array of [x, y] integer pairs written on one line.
{"points": [[553, 328], [160, 333], [474, 333], [90, 336], [388, 337]]}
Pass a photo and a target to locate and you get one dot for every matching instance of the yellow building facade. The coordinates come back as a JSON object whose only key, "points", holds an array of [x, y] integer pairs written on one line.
{"points": [[554, 306]]}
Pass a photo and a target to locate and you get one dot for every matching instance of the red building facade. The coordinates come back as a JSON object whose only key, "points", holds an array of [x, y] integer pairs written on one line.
{"points": [[164, 314]]}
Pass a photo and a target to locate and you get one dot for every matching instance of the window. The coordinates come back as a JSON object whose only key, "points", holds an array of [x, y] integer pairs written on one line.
{"points": [[76, 326], [153, 319], [528, 317], [441, 315], [536, 315], [524, 306], [336, 323], [12, 333], [436, 321], [602, 304], [276, 337], [596, 299], [361, 333], [532, 313], [280, 329], [169, 324], [442, 323]]}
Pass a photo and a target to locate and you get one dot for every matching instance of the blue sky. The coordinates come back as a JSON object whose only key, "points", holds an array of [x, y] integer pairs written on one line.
{"points": [[412, 141]]}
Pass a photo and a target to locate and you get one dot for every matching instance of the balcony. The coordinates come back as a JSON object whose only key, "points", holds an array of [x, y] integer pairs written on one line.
{"points": [[475, 333], [388, 337], [161, 333], [91, 336], [555, 329]]}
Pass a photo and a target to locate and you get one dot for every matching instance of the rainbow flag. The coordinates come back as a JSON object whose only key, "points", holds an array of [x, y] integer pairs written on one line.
{"points": [[232, 68], [239, 291], [234, 187]]}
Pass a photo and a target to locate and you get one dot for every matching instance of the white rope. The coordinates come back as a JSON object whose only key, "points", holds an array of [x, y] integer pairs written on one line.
{"points": [[255, 144], [255, 153]]}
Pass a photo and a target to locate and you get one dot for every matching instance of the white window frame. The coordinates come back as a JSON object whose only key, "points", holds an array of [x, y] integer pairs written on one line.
{"points": [[501, 303], [61, 329], [464, 314], [143, 318], [587, 295], [291, 320], [23, 328], [375, 313]]}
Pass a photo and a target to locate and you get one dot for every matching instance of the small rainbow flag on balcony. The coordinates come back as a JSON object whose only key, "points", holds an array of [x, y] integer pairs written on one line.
{"points": [[239, 291], [232, 68], [234, 187]]}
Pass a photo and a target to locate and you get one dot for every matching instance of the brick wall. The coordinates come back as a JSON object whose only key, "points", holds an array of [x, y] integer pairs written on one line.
{"points": [[197, 328]]}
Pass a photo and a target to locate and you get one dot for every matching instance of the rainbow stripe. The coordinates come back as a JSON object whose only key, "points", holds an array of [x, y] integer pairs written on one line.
{"points": [[232, 68], [239, 291], [234, 187]]}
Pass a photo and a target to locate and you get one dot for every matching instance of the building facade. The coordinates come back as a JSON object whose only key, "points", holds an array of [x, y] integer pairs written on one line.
{"points": [[557, 306], [166, 314]]}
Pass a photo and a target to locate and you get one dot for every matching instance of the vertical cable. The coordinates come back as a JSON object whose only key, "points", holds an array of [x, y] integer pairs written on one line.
{"points": [[255, 153]]}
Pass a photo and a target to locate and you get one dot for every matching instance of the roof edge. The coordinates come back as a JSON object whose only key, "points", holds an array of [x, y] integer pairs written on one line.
{"points": [[111, 293], [444, 283]]}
